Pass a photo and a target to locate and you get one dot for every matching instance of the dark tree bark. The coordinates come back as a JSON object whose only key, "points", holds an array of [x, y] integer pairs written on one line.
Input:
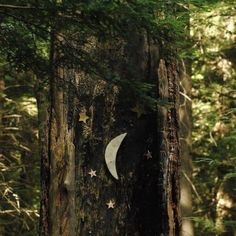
{"points": [[85, 115], [2, 87], [169, 146], [62, 162], [43, 124]]}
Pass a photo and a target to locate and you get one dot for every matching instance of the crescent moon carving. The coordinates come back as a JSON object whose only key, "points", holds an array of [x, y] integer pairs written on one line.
{"points": [[111, 153]]}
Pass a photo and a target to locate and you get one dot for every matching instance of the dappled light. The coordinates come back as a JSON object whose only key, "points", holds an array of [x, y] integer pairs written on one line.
{"points": [[118, 118]]}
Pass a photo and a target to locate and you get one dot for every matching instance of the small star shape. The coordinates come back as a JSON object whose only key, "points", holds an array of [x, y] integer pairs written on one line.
{"points": [[110, 204], [148, 155], [83, 117], [139, 110], [92, 173]]}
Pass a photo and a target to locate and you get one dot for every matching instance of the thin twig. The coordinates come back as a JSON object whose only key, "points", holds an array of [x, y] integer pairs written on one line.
{"points": [[192, 185]]}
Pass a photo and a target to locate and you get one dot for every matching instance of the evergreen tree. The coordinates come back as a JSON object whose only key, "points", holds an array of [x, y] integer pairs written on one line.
{"points": [[102, 67]]}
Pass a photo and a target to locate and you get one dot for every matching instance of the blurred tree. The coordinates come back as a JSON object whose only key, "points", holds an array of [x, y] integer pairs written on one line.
{"points": [[214, 119], [185, 129], [185, 114]]}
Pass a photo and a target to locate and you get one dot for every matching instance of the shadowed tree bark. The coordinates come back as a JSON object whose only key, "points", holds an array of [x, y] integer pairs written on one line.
{"points": [[85, 114]]}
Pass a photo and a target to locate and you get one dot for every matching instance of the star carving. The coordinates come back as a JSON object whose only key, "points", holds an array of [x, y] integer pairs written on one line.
{"points": [[92, 173], [139, 110], [83, 117], [148, 155], [111, 204]]}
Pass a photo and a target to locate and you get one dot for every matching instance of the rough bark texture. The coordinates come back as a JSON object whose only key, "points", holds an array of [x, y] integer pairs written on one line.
{"points": [[110, 114], [58, 153], [62, 157], [146, 195], [169, 146], [42, 104]]}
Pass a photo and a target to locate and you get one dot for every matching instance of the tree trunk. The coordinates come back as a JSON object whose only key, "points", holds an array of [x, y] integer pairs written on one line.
{"points": [[186, 144], [169, 152], [87, 200], [62, 158], [57, 153], [43, 124]]}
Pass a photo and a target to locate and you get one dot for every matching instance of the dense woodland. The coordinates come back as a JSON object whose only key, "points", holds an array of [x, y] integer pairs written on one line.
{"points": [[74, 75]]}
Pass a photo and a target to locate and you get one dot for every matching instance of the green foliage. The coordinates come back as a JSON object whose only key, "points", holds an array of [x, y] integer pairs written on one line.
{"points": [[19, 157], [213, 115], [27, 28], [206, 225], [87, 35]]}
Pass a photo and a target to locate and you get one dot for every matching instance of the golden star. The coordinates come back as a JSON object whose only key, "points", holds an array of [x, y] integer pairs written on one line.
{"points": [[111, 204], [92, 173], [139, 110], [83, 117]]}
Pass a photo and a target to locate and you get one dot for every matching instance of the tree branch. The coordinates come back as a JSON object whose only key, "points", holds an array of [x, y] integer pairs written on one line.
{"points": [[16, 7]]}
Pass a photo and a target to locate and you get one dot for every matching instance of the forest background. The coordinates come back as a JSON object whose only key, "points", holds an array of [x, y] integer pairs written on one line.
{"points": [[206, 43]]}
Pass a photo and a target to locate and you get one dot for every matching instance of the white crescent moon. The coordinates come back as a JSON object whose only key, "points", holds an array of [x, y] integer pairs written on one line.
{"points": [[111, 152]]}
